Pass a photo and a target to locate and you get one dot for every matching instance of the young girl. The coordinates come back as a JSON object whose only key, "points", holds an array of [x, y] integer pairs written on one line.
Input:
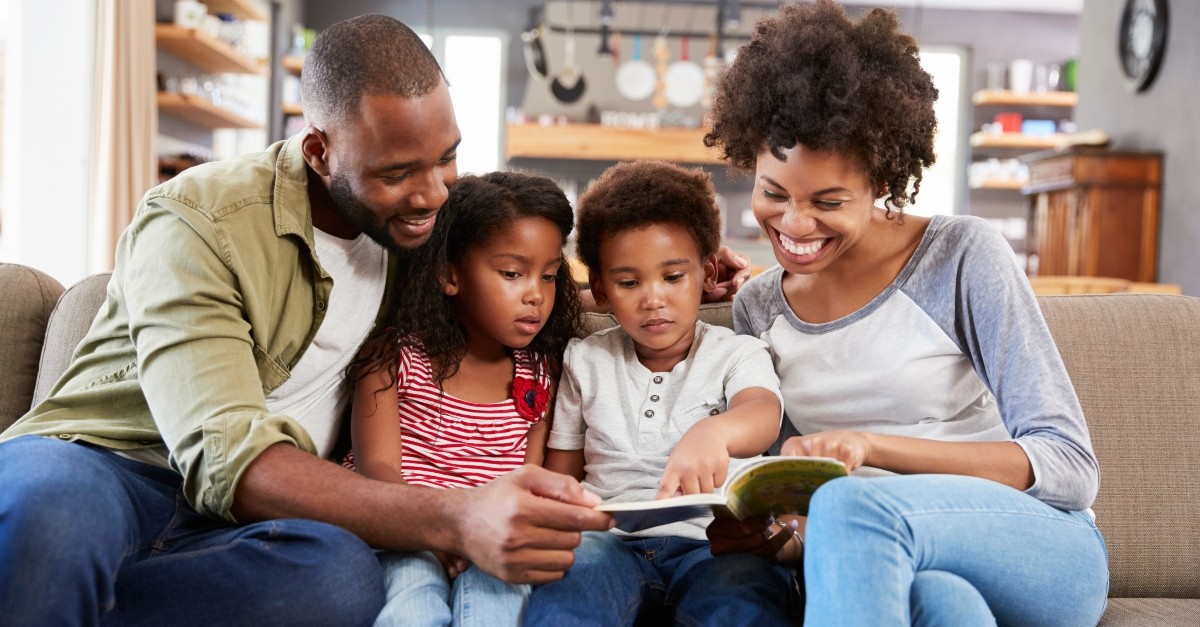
{"points": [[903, 343], [455, 392]]}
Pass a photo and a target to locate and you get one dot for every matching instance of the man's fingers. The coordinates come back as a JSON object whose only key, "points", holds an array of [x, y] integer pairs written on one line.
{"points": [[552, 485], [548, 515]]}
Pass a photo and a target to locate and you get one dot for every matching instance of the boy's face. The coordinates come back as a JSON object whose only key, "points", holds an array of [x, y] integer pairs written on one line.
{"points": [[653, 278]]}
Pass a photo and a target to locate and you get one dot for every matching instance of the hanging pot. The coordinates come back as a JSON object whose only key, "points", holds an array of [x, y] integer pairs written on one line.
{"points": [[568, 85], [531, 39], [684, 80], [635, 77]]}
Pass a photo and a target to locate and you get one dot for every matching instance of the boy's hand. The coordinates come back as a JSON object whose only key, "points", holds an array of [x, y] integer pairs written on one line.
{"points": [[524, 526], [699, 463], [849, 447], [733, 270]]}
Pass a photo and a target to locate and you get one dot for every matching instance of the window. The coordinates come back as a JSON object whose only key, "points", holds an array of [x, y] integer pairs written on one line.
{"points": [[942, 186], [474, 65]]}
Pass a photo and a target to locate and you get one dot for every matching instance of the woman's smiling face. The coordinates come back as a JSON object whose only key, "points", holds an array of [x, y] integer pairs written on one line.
{"points": [[814, 206]]}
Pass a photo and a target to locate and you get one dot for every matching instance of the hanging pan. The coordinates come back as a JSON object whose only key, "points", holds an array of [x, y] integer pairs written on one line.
{"points": [[684, 80], [568, 84], [635, 76]]}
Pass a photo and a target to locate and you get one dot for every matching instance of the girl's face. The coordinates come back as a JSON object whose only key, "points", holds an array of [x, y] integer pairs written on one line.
{"points": [[814, 207], [503, 290]]}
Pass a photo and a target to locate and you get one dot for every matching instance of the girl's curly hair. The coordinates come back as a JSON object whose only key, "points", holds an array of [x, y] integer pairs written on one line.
{"points": [[812, 75], [421, 316]]}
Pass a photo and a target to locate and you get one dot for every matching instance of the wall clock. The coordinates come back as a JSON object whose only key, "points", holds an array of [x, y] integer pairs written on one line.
{"points": [[1142, 40]]}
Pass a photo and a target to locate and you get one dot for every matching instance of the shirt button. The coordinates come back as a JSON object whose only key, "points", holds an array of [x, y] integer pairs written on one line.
{"points": [[654, 398], [658, 379], [64, 436], [714, 412], [320, 305], [649, 413]]}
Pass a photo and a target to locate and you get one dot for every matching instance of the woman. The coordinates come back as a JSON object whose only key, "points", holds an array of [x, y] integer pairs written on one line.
{"points": [[905, 344]]}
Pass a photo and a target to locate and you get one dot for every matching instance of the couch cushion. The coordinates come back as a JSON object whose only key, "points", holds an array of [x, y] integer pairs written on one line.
{"points": [[1135, 362], [68, 324], [1151, 613], [28, 298]]}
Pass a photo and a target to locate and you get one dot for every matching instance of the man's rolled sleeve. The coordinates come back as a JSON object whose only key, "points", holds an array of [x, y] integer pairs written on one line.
{"points": [[196, 356]]}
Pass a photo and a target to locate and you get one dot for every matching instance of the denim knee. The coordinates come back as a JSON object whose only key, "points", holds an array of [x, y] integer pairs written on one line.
{"points": [[330, 571], [57, 495]]}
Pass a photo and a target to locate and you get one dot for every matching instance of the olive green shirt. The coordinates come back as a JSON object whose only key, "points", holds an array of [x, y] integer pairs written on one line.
{"points": [[215, 295]]}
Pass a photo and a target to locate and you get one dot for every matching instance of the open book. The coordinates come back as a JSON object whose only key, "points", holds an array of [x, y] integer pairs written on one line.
{"points": [[766, 485]]}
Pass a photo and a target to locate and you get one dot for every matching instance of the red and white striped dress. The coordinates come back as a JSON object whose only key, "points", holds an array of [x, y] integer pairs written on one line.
{"points": [[452, 443]]}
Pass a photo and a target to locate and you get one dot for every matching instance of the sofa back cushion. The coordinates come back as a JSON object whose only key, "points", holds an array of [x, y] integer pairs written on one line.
{"points": [[1135, 362], [28, 298], [68, 324]]}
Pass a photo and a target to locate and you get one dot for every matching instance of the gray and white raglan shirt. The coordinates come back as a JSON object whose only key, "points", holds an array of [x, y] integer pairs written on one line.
{"points": [[954, 349]]}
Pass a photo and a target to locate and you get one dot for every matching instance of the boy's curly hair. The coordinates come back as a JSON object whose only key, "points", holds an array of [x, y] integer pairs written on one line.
{"points": [[812, 75], [422, 316], [637, 194]]}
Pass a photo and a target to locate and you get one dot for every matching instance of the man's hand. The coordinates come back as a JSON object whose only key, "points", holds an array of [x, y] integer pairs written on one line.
{"points": [[524, 526], [733, 270], [850, 447], [699, 463]]}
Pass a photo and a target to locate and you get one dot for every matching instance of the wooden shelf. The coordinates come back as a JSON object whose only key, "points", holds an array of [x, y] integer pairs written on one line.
{"points": [[202, 50], [1046, 99], [1015, 140], [1000, 184], [292, 109], [292, 64], [201, 111], [241, 9], [602, 143]]}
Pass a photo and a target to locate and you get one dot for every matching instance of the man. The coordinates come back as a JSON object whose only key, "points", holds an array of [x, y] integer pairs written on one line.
{"points": [[179, 477]]}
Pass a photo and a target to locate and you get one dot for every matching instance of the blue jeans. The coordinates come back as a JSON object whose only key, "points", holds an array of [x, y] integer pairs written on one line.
{"points": [[89, 537], [948, 550], [617, 581], [420, 593]]}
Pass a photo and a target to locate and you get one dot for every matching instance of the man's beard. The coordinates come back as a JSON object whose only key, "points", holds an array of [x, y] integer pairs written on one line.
{"points": [[348, 206]]}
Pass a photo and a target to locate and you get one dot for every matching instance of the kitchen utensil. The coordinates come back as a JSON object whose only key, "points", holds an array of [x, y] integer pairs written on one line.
{"points": [[662, 54], [531, 39], [684, 79], [568, 85], [635, 77], [712, 69]]}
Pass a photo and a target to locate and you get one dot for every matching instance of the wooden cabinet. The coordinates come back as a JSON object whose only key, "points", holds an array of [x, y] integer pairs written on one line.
{"points": [[1093, 212]]}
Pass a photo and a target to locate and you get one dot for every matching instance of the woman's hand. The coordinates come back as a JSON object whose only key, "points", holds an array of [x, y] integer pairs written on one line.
{"points": [[850, 447], [757, 535], [733, 270]]}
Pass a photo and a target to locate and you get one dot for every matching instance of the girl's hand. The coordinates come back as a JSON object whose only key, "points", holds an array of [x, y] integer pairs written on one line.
{"points": [[755, 535], [698, 464], [850, 447], [453, 564]]}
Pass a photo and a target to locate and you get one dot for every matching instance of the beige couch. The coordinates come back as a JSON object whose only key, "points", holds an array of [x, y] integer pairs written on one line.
{"points": [[1134, 359]]}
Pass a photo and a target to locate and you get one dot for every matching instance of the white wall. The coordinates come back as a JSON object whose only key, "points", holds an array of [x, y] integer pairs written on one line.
{"points": [[47, 135]]}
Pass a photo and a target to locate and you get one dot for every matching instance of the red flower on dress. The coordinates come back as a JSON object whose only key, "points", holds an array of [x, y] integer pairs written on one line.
{"points": [[531, 399]]}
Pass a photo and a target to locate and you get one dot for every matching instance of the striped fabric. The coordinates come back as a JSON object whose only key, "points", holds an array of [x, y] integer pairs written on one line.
{"points": [[452, 443]]}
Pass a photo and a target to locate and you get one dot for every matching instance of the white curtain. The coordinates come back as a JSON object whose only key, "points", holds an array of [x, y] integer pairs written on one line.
{"points": [[124, 164]]}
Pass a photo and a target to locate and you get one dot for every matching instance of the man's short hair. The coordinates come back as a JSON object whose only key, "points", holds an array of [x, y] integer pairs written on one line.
{"points": [[364, 56]]}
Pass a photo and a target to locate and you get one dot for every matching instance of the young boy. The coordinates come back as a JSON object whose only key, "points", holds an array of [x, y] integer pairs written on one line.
{"points": [[657, 407]]}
